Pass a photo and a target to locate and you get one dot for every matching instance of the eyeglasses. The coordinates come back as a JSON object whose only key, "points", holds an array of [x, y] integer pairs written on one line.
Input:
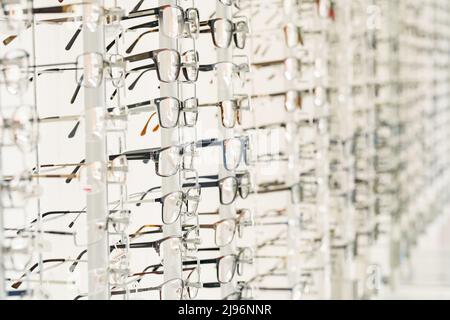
{"points": [[167, 160], [235, 150], [171, 244], [225, 229], [227, 266], [231, 110], [223, 31], [190, 239], [169, 109], [228, 186], [170, 59], [90, 69], [174, 20], [190, 68], [167, 63], [172, 203]]}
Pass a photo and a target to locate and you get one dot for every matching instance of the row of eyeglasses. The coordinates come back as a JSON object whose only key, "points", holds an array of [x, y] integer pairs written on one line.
{"points": [[91, 69], [371, 126], [409, 163], [288, 76]]}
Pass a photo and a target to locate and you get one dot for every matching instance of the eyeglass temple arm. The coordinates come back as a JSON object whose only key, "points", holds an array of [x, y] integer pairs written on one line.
{"points": [[211, 284], [203, 261], [137, 6], [154, 267], [53, 213], [138, 231], [141, 245], [145, 194], [206, 67], [208, 143], [113, 43], [82, 253], [208, 213], [75, 263], [134, 83], [145, 155], [135, 42], [53, 9], [77, 90], [139, 56], [74, 38], [142, 13], [209, 249], [150, 66], [75, 170], [267, 64], [276, 94], [267, 190], [18, 283], [150, 24], [141, 104], [201, 184]]}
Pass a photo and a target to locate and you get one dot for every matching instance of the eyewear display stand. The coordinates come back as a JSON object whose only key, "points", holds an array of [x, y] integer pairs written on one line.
{"points": [[97, 198], [225, 92], [170, 137]]}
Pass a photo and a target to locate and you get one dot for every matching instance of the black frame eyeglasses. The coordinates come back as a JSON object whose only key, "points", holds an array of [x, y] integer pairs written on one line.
{"points": [[224, 31], [168, 71], [229, 187], [226, 266], [171, 242]]}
